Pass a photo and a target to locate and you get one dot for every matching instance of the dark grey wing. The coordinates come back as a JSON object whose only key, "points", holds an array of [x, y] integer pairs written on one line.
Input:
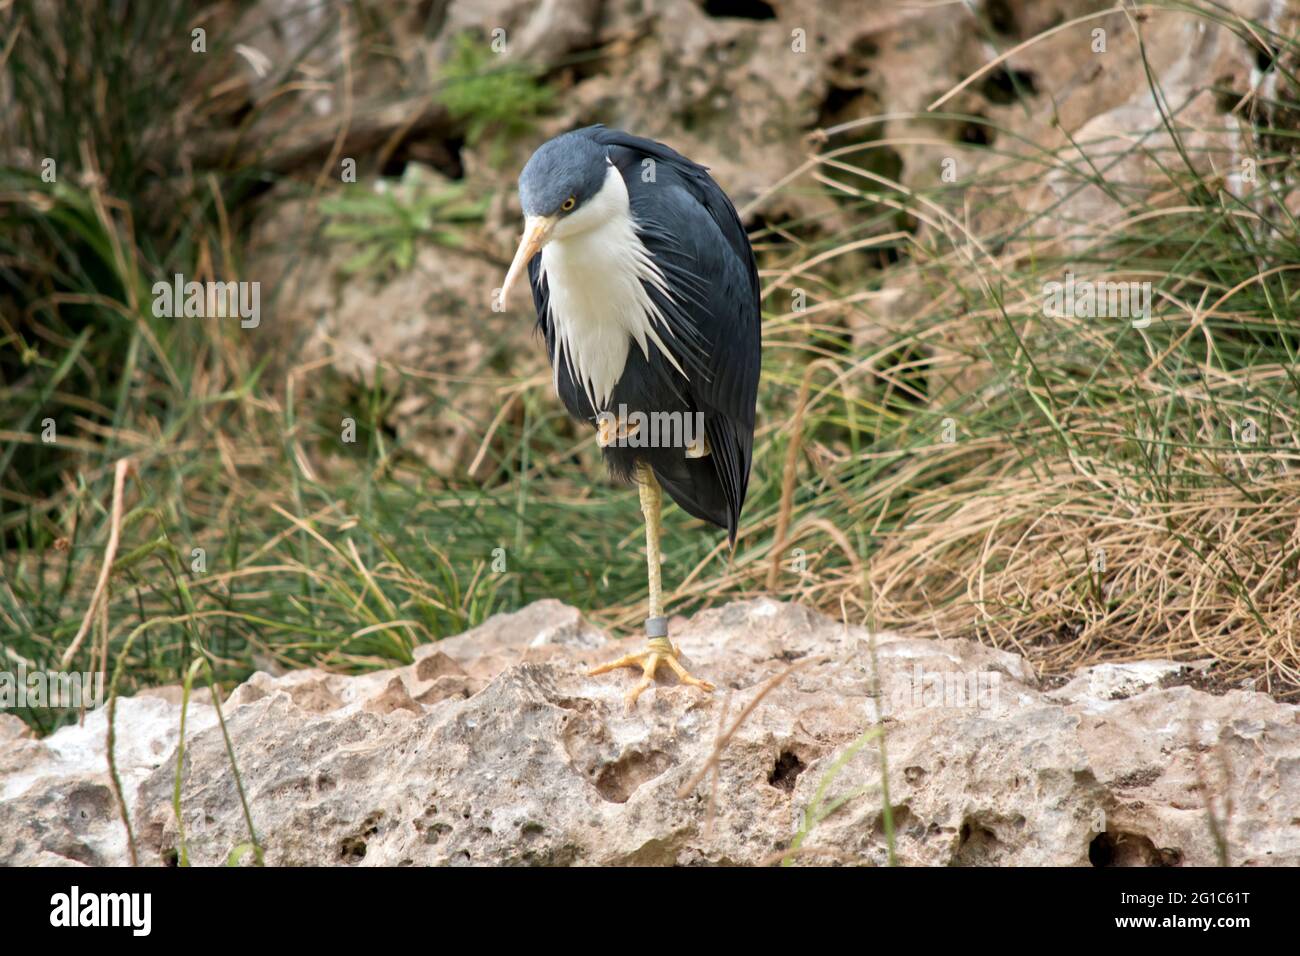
{"points": [[714, 313], [721, 317], [708, 193]]}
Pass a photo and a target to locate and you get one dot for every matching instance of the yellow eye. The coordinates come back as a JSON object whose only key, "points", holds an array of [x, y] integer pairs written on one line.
{"points": [[568, 204]]}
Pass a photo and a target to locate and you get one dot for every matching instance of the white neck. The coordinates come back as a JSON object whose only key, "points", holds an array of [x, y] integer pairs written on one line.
{"points": [[596, 267]]}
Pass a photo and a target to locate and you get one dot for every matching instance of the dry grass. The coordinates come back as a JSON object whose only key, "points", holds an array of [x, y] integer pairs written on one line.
{"points": [[1099, 498]]}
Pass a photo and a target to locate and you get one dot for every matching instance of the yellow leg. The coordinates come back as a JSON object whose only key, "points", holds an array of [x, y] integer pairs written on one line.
{"points": [[651, 506], [659, 649]]}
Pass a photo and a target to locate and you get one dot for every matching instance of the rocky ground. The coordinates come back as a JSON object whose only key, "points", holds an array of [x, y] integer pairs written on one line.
{"points": [[495, 748], [752, 90]]}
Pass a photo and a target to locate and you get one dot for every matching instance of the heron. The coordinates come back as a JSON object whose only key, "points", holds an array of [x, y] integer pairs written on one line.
{"points": [[647, 296]]}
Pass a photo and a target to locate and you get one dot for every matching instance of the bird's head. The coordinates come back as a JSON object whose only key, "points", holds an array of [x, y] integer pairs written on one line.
{"points": [[563, 193]]}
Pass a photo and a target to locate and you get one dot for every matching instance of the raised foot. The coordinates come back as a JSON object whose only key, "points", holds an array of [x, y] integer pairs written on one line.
{"points": [[658, 651]]}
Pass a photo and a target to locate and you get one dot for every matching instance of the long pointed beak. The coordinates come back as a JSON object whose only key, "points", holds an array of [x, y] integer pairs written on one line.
{"points": [[537, 230]]}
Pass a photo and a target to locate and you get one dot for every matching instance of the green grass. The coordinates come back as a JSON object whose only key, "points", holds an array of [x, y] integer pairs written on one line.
{"points": [[1070, 434]]}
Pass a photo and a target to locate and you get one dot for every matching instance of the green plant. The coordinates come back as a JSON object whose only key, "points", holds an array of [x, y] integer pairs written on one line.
{"points": [[389, 223], [501, 100]]}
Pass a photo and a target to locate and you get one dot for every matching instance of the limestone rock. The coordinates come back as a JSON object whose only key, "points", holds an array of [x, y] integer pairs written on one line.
{"points": [[494, 747]]}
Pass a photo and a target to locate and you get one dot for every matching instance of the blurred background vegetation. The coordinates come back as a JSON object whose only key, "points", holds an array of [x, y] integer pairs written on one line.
{"points": [[935, 453]]}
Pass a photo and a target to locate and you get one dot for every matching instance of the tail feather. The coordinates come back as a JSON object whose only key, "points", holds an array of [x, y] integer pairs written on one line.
{"points": [[693, 483]]}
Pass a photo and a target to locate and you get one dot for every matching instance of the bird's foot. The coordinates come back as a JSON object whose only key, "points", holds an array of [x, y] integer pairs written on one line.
{"points": [[611, 430], [658, 651], [699, 448]]}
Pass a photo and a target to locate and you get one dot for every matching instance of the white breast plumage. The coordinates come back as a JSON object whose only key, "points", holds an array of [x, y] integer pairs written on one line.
{"points": [[595, 267]]}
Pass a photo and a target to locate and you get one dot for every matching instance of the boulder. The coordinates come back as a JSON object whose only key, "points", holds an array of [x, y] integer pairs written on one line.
{"points": [[494, 747]]}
